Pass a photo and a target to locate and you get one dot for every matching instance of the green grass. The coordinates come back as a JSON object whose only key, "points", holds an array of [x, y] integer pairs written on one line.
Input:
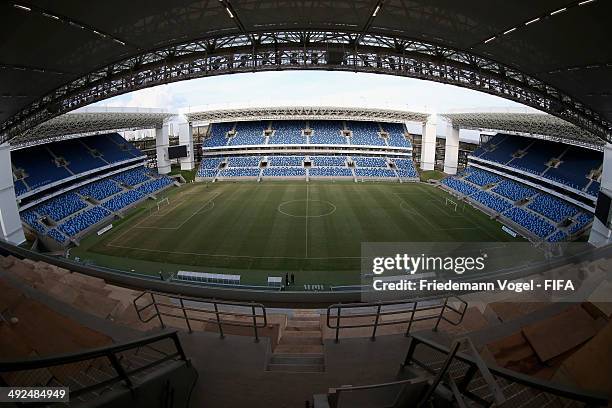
{"points": [[261, 229], [432, 175]]}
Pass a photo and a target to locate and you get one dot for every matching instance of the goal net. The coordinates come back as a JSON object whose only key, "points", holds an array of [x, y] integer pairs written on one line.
{"points": [[452, 204], [160, 204]]}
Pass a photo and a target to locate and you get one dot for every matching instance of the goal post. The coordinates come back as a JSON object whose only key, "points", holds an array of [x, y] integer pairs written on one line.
{"points": [[159, 204], [451, 203]]}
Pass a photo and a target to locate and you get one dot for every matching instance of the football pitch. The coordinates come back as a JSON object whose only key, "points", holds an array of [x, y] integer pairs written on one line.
{"points": [[313, 230]]}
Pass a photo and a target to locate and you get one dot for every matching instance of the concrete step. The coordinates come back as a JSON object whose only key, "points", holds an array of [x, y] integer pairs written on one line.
{"points": [[300, 340], [301, 368], [309, 359], [302, 334], [298, 349], [308, 325], [305, 316]]}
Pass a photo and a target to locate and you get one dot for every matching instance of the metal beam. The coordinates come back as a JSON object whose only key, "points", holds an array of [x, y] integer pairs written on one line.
{"points": [[318, 50]]}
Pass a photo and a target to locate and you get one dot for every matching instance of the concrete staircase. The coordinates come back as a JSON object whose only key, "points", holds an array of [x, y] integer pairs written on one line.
{"points": [[300, 348]]}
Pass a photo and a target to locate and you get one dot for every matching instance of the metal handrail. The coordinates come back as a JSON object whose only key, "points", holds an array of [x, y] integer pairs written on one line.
{"points": [[257, 316], [589, 398], [110, 353], [334, 312]]}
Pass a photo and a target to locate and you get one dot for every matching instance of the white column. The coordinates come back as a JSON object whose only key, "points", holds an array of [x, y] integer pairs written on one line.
{"points": [[451, 150], [185, 133], [12, 230], [162, 141], [428, 143], [601, 232]]}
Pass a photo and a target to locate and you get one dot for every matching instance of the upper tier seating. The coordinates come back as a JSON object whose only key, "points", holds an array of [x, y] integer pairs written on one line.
{"points": [[61, 207], [132, 177], [574, 169], [594, 188], [100, 190], [575, 166], [286, 161], [365, 133], [513, 190], [328, 161], [538, 154], [551, 207], [481, 177], [111, 148], [123, 145], [502, 151], [533, 223], [249, 133], [287, 132], [330, 172], [40, 167], [284, 172], [218, 131], [79, 159], [396, 135], [326, 132], [370, 162], [243, 161], [84, 220]]}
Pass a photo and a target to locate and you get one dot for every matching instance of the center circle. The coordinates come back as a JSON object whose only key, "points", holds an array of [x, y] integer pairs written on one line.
{"points": [[306, 208]]}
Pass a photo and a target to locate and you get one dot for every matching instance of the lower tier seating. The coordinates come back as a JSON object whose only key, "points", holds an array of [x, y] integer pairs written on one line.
{"points": [[532, 222], [83, 221], [537, 211], [330, 172], [284, 172], [71, 212]]}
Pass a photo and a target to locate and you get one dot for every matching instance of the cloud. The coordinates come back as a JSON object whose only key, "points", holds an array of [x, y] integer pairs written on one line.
{"points": [[310, 88]]}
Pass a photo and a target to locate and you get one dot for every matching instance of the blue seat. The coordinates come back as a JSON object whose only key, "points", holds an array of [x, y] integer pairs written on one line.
{"points": [[218, 132], [61, 206], [365, 133], [326, 132], [287, 132]]}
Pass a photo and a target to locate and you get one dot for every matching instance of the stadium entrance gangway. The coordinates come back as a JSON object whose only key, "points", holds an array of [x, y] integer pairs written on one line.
{"points": [[190, 309], [407, 312]]}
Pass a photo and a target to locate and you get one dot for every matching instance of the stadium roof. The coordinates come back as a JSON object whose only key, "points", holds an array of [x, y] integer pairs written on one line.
{"points": [[305, 112], [553, 55], [89, 121], [534, 125]]}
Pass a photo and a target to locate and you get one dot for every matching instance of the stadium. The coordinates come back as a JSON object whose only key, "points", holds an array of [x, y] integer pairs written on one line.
{"points": [[221, 256]]}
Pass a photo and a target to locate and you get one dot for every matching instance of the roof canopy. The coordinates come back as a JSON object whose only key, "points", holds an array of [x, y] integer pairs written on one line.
{"points": [[550, 54]]}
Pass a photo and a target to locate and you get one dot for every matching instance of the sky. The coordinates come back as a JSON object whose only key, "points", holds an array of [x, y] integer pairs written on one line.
{"points": [[310, 88], [313, 88]]}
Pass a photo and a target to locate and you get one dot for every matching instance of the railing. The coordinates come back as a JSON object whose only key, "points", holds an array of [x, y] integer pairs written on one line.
{"points": [[95, 369], [383, 314], [469, 377], [220, 313]]}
